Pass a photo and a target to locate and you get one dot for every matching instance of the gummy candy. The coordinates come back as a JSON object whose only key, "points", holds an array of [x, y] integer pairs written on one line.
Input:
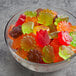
{"points": [[73, 28], [38, 11], [27, 43], [52, 28], [64, 26], [20, 20], [73, 43], [42, 38], [16, 42], [45, 18], [53, 35], [16, 32], [55, 43], [38, 28], [34, 56], [10, 28], [22, 16], [22, 53], [53, 13], [57, 59], [38, 48], [31, 19], [48, 54], [61, 18], [64, 38], [65, 52], [73, 48], [30, 13], [73, 35], [27, 27], [55, 18]]}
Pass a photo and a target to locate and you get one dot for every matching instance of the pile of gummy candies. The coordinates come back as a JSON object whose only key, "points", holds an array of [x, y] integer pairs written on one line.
{"points": [[42, 36]]}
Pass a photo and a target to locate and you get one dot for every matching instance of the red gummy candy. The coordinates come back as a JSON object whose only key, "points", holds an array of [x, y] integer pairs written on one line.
{"points": [[58, 59], [55, 43], [64, 38], [20, 20], [42, 38], [22, 16]]}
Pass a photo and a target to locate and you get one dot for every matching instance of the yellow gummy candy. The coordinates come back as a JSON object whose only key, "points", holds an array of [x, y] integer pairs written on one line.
{"points": [[38, 28]]}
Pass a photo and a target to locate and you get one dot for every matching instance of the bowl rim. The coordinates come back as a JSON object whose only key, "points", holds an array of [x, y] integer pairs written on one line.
{"points": [[30, 61]]}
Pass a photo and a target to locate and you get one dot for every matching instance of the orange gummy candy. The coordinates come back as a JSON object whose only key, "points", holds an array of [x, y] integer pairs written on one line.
{"points": [[16, 43], [32, 19], [73, 28], [22, 53], [64, 26]]}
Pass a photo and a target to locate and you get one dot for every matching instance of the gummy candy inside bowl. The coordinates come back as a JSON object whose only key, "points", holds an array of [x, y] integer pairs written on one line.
{"points": [[37, 66]]}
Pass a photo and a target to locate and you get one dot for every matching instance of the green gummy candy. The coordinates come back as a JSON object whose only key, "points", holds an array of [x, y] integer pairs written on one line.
{"points": [[61, 18], [27, 27], [73, 35], [30, 13], [45, 18], [65, 52], [53, 35], [73, 43], [48, 54], [45, 60]]}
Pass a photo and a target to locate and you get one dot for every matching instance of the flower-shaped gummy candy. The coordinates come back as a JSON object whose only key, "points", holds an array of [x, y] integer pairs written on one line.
{"points": [[16, 42], [27, 27], [64, 38], [27, 43], [48, 54], [22, 53], [53, 13], [34, 56], [64, 26], [42, 38], [45, 18], [65, 52]]}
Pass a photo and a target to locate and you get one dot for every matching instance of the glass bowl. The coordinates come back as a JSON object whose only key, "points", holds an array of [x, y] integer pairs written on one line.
{"points": [[36, 66]]}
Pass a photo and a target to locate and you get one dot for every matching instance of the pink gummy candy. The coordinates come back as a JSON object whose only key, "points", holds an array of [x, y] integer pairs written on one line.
{"points": [[64, 38]]}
